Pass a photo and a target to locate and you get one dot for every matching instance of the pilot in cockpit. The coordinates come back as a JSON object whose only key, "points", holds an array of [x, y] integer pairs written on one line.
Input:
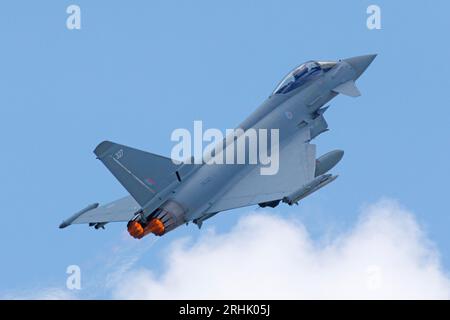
{"points": [[301, 75]]}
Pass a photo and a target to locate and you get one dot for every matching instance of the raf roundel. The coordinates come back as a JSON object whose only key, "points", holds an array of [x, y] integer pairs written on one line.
{"points": [[288, 115]]}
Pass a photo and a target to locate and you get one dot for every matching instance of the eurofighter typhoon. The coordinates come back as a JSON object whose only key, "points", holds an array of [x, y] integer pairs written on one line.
{"points": [[165, 194]]}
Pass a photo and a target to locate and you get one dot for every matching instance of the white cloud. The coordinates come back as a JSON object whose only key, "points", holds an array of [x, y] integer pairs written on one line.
{"points": [[386, 255]]}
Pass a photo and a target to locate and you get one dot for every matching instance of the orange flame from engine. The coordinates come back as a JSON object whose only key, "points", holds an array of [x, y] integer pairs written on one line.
{"points": [[137, 231]]}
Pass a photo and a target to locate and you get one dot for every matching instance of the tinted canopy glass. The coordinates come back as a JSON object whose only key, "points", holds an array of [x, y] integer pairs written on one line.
{"points": [[301, 75]]}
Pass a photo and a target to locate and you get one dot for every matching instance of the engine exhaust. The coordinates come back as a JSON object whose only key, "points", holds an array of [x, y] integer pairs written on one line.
{"points": [[138, 231]]}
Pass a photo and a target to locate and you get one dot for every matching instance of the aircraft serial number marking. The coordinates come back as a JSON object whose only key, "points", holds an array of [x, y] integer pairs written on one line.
{"points": [[118, 154]]}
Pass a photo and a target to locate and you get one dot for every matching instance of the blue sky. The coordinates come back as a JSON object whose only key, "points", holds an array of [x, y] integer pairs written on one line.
{"points": [[138, 70]]}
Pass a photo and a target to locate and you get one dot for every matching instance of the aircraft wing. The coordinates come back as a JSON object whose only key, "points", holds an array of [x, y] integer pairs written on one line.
{"points": [[120, 210], [143, 174], [297, 162]]}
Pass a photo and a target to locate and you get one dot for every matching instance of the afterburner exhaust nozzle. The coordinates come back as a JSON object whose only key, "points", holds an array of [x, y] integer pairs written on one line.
{"points": [[138, 231]]}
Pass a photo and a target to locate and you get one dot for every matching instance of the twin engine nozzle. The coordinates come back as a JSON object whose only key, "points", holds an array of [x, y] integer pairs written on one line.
{"points": [[138, 230], [159, 222]]}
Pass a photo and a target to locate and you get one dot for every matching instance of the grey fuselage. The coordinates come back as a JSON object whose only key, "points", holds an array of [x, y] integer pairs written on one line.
{"points": [[280, 111]]}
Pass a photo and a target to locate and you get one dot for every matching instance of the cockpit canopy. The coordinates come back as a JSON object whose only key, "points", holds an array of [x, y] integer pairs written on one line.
{"points": [[303, 74]]}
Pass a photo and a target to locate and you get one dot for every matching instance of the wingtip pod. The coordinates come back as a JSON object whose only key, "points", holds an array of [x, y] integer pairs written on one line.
{"points": [[69, 221]]}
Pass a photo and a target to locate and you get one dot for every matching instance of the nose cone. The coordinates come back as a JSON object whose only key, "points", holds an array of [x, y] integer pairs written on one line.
{"points": [[360, 63]]}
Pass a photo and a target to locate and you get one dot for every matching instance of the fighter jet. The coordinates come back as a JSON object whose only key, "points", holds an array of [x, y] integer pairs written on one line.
{"points": [[164, 194]]}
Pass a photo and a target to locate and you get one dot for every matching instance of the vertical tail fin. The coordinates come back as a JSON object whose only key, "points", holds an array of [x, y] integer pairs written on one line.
{"points": [[143, 174]]}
